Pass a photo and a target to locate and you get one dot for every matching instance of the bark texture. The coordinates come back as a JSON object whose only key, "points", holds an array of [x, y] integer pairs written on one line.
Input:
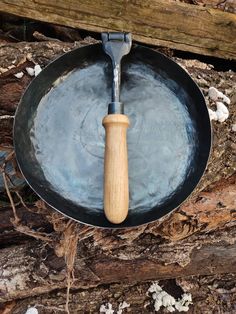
{"points": [[211, 294], [104, 261], [205, 30], [225, 5]]}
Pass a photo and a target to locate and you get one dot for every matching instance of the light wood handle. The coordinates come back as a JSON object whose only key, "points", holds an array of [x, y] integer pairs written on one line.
{"points": [[116, 182]]}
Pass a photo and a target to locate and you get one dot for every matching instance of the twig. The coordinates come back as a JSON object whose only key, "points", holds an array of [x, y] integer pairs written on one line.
{"points": [[35, 234], [42, 37], [7, 158], [68, 294], [21, 200], [70, 245], [5, 148], [16, 218], [16, 222]]}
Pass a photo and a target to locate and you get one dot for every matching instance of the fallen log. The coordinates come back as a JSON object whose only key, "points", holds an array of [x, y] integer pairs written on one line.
{"points": [[164, 23], [211, 211], [33, 269], [215, 293]]}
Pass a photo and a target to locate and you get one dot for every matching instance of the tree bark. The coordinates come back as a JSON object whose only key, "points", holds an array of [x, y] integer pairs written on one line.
{"points": [[225, 5], [113, 258], [211, 294], [211, 211], [204, 30]]}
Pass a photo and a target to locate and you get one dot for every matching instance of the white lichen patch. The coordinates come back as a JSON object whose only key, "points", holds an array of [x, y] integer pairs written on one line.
{"points": [[107, 308], [155, 287], [163, 299], [218, 98], [226, 99], [30, 71], [37, 69], [234, 127], [31, 310], [12, 281], [212, 114], [19, 75], [123, 305], [222, 112], [215, 95], [182, 305]]}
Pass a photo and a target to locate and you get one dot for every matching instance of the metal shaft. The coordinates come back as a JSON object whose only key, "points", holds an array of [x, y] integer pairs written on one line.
{"points": [[116, 45], [116, 83]]}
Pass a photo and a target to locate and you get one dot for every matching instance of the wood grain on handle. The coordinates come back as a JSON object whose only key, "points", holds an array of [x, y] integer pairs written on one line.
{"points": [[116, 182]]}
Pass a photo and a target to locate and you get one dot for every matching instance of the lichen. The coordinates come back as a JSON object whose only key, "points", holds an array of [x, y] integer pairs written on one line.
{"points": [[31, 310], [19, 75], [107, 308], [222, 112], [163, 299]]}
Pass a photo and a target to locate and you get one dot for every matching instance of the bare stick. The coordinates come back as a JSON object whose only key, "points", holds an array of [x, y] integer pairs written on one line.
{"points": [[16, 218]]}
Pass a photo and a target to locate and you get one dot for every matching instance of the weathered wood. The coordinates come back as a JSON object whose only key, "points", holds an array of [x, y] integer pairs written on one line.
{"points": [[210, 294], [225, 5], [8, 234], [32, 269], [211, 211], [164, 23]]}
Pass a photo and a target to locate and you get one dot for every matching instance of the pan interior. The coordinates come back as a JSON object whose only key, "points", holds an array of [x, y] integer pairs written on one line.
{"points": [[67, 135]]}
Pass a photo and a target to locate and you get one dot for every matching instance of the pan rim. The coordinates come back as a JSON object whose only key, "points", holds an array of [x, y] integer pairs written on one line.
{"points": [[124, 225]]}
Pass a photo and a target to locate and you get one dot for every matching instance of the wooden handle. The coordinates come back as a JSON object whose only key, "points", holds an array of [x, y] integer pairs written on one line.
{"points": [[116, 182]]}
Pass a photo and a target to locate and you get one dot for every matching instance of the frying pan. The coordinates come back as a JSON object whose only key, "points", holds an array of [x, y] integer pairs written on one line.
{"points": [[59, 138]]}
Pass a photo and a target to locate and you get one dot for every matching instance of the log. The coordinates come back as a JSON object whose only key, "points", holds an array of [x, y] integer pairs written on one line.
{"points": [[33, 268], [211, 211], [215, 295], [204, 30], [10, 236]]}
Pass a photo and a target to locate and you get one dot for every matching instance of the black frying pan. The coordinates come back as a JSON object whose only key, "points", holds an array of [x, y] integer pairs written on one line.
{"points": [[59, 138]]}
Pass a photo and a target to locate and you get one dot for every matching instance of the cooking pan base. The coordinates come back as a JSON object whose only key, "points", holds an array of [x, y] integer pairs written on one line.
{"points": [[60, 148]]}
